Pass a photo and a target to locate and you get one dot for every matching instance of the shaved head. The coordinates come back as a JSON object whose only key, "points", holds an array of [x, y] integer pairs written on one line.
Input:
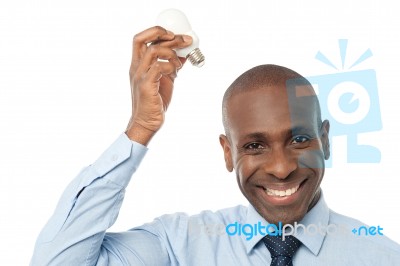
{"points": [[264, 76]]}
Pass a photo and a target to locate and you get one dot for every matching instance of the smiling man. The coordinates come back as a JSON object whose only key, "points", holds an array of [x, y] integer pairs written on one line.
{"points": [[276, 143]]}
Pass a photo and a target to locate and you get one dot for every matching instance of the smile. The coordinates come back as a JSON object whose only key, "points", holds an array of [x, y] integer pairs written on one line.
{"points": [[282, 193]]}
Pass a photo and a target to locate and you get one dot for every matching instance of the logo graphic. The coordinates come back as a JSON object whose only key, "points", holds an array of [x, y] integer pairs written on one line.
{"points": [[350, 101], [368, 231], [248, 231], [251, 230]]}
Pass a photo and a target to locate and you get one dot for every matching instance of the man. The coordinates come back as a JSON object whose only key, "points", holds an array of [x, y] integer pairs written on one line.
{"points": [[276, 143]]}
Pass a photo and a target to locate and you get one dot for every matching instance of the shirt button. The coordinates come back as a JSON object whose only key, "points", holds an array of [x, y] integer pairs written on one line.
{"points": [[114, 157]]}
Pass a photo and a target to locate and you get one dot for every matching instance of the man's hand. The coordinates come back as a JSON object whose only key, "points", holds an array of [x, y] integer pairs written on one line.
{"points": [[152, 80]]}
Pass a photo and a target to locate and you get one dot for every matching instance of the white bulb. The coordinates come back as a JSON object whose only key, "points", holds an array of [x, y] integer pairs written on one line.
{"points": [[176, 21]]}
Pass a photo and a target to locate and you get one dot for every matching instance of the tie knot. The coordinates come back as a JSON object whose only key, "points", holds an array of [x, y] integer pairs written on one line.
{"points": [[277, 247]]}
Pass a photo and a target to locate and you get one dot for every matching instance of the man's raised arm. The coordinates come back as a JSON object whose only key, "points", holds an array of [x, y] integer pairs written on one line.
{"points": [[76, 233]]}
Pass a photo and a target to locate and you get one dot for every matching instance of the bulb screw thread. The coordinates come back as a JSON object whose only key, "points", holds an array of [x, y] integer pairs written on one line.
{"points": [[196, 57]]}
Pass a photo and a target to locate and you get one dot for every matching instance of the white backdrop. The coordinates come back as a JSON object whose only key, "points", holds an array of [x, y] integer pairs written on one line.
{"points": [[64, 97]]}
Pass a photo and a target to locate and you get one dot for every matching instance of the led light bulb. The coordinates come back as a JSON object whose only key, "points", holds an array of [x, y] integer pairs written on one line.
{"points": [[176, 21]]}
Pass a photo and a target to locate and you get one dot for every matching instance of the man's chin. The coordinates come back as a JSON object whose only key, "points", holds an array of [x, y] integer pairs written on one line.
{"points": [[286, 214]]}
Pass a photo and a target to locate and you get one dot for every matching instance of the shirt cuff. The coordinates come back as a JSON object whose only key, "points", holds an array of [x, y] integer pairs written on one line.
{"points": [[117, 163]]}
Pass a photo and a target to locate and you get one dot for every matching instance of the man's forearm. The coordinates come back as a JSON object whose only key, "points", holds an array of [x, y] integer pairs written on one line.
{"points": [[88, 207]]}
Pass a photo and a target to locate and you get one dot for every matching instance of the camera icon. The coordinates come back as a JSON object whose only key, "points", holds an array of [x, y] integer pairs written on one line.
{"points": [[350, 102], [348, 99]]}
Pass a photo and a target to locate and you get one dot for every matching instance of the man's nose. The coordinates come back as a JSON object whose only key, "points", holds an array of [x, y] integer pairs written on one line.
{"points": [[280, 163]]}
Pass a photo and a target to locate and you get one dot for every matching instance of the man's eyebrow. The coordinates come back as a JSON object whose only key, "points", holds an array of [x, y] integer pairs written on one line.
{"points": [[259, 136], [256, 135], [302, 129]]}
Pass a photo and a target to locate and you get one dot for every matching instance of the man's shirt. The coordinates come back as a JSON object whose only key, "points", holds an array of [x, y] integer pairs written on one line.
{"points": [[76, 233]]}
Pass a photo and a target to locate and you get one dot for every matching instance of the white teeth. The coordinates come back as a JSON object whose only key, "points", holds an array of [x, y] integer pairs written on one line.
{"points": [[282, 193]]}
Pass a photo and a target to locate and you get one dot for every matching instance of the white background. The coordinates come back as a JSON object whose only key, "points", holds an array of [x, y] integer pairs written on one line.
{"points": [[65, 97]]}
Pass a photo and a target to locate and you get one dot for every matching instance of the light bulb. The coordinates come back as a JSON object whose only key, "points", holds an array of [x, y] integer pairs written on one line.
{"points": [[176, 21]]}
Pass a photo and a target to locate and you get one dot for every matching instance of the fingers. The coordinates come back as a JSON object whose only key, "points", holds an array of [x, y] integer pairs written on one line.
{"points": [[142, 39], [155, 53], [179, 41], [159, 70], [182, 59], [155, 36], [157, 62]]}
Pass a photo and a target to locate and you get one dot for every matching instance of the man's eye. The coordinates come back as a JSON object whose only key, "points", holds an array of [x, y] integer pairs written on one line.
{"points": [[254, 146], [300, 139]]}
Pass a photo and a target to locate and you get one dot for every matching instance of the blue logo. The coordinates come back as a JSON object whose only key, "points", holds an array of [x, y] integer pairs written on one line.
{"points": [[368, 231], [282, 230], [251, 230], [350, 101]]}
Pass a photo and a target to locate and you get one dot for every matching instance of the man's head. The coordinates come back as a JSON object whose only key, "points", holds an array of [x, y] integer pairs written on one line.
{"points": [[275, 140]]}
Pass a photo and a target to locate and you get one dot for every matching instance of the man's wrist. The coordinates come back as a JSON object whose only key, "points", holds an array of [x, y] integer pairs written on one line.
{"points": [[139, 134]]}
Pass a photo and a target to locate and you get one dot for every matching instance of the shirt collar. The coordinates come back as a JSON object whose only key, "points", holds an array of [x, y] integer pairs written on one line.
{"points": [[316, 220]]}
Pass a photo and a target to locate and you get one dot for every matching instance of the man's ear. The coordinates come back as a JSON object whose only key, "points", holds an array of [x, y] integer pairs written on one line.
{"points": [[226, 146], [325, 139]]}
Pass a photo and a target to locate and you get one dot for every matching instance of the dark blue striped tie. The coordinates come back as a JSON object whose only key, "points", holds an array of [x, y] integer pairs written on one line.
{"points": [[281, 251]]}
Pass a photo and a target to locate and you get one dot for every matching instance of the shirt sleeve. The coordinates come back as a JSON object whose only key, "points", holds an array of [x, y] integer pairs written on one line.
{"points": [[76, 233]]}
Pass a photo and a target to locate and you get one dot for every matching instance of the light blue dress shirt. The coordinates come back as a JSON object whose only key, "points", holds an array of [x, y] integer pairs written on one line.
{"points": [[76, 233]]}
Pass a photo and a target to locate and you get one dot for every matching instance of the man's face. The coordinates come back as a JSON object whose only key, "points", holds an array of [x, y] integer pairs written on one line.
{"points": [[277, 150]]}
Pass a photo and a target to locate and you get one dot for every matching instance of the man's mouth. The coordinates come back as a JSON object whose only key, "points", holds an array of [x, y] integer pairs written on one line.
{"points": [[282, 193]]}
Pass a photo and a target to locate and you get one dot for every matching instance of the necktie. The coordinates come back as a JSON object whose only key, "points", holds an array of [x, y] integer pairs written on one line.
{"points": [[281, 251]]}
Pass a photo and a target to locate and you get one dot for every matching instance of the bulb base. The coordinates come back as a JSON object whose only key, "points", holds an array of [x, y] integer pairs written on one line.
{"points": [[196, 58]]}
